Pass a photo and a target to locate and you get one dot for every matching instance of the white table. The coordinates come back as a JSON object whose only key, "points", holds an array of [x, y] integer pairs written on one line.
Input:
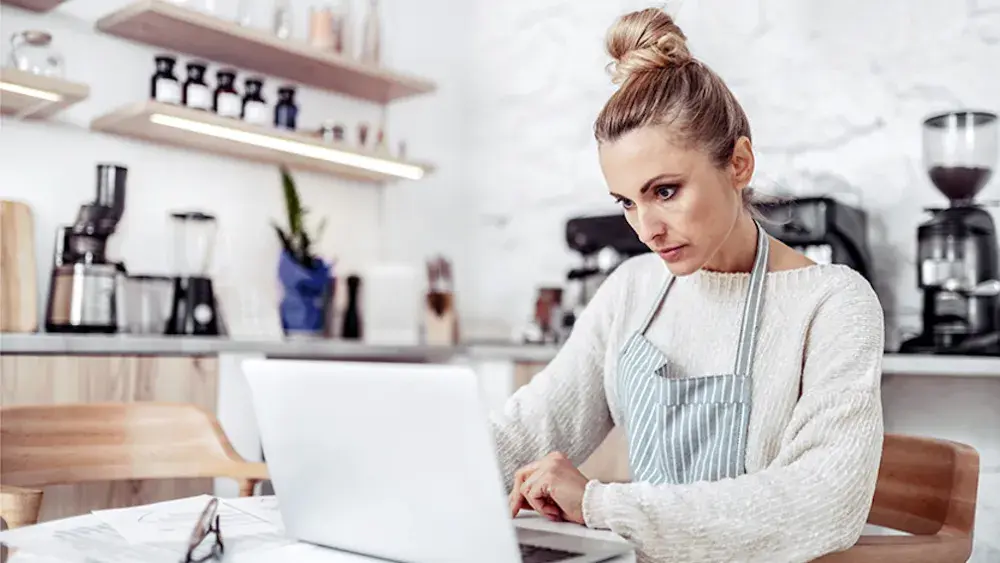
{"points": [[303, 553], [298, 552]]}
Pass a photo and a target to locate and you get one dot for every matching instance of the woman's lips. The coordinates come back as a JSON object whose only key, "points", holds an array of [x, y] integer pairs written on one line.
{"points": [[672, 253]]}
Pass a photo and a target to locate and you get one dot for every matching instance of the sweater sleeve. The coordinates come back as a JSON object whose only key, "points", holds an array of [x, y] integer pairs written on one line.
{"points": [[564, 408], [815, 496]]}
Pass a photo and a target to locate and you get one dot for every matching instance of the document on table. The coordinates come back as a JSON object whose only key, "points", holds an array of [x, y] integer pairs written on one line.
{"points": [[83, 538], [263, 507], [173, 521], [151, 533]]}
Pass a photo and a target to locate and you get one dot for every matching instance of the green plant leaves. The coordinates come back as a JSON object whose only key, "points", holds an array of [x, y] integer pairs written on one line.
{"points": [[296, 240]]}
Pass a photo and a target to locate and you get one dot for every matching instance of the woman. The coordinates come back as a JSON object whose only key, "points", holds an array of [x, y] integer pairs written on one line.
{"points": [[745, 377]]}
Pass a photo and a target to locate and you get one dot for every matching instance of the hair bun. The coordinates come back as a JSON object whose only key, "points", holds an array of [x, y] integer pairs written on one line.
{"points": [[644, 41]]}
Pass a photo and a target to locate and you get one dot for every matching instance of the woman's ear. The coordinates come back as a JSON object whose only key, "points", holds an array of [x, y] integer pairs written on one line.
{"points": [[742, 163]]}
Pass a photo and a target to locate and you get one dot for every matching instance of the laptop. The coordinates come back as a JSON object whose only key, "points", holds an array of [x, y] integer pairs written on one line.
{"points": [[394, 461]]}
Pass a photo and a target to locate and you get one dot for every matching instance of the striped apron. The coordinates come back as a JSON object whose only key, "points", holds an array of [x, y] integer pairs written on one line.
{"points": [[690, 429]]}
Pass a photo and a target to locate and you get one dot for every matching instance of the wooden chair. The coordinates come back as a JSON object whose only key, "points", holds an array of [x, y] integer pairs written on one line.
{"points": [[76, 443], [926, 488]]}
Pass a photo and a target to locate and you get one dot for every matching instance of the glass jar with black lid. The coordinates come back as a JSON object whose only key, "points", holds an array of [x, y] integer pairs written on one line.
{"points": [[286, 113], [164, 86], [197, 94], [226, 101], [254, 105]]}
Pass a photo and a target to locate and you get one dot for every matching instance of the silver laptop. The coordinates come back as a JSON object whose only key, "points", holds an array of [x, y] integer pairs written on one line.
{"points": [[394, 461]]}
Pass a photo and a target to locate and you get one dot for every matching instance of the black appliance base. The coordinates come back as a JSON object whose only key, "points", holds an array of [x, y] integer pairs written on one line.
{"points": [[978, 345], [80, 329]]}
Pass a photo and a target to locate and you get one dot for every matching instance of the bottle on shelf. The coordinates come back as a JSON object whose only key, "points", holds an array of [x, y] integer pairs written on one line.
{"points": [[321, 28], [164, 86], [342, 26], [226, 101], [285, 111], [244, 13], [371, 42], [196, 93], [363, 135], [282, 19], [254, 106]]}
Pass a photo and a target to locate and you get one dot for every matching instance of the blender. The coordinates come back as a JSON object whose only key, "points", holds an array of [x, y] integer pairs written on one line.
{"points": [[194, 310], [957, 251]]}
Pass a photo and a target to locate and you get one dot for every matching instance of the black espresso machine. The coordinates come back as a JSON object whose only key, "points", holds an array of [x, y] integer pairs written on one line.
{"points": [[603, 242], [822, 228], [825, 230]]}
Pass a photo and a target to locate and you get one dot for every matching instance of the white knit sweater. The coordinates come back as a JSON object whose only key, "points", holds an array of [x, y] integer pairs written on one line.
{"points": [[811, 461]]}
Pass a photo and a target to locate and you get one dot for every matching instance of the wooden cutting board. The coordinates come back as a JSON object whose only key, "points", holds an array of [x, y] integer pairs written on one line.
{"points": [[18, 279]]}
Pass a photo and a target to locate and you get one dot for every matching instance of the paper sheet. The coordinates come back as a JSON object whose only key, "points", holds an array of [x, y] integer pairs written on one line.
{"points": [[173, 521], [83, 539], [155, 533], [263, 507]]}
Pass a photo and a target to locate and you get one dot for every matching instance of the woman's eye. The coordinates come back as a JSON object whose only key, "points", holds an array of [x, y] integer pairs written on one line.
{"points": [[666, 192], [625, 203]]}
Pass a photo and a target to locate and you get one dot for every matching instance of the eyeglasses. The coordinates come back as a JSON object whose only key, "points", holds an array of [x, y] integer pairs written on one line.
{"points": [[208, 523]]}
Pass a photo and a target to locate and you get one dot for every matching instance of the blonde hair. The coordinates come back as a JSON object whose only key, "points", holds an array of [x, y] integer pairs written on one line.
{"points": [[661, 83]]}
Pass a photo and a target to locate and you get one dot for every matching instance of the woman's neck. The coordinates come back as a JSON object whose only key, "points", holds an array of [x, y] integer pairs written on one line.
{"points": [[737, 253]]}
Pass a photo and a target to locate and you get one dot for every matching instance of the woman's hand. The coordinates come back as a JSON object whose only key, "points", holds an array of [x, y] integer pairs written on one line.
{"points": [[551, 486]]}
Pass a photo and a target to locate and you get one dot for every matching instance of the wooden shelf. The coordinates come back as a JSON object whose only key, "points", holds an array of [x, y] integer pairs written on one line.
{"points": [[195, 129], [34, 5], [24, 95], [165, 25]]}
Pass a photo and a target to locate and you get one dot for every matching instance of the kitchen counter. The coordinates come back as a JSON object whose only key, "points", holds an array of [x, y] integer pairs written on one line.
{"points": [[112, 345]]}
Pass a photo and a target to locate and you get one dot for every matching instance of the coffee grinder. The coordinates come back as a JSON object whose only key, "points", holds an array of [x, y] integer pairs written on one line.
{"points": [[194, 310], [957, 252]]}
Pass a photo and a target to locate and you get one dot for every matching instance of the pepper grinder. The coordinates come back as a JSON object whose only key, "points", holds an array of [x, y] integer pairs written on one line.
{"points": [[352, 329]]}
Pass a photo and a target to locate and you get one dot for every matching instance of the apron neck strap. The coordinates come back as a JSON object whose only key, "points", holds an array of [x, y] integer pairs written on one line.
{"points": [[753, 306], [658, 303]]}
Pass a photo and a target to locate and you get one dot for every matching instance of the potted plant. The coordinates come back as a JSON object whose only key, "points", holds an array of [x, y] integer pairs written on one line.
{"points": [[305, 278]]}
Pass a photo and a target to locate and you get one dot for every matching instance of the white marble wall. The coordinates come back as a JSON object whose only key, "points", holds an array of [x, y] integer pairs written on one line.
{"points": [[836, 93]]}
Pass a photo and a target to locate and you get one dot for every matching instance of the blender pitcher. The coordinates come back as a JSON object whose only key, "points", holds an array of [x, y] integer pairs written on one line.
{"points": [[194, 310]]}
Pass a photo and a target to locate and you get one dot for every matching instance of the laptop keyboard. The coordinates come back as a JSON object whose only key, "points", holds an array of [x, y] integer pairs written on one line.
{"points": [[535, 554]]}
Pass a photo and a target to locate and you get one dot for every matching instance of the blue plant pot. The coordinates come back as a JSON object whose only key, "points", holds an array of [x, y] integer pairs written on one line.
{"points": [[303, 299]]}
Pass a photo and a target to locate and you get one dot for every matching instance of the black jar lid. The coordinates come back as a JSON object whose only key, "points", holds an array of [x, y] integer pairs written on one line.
{"points": [[286, 89], [227, 72], [200, 65], [165, 58]]}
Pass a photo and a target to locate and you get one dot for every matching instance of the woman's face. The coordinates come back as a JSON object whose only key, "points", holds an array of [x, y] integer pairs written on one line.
{"points": [[680, 204]]}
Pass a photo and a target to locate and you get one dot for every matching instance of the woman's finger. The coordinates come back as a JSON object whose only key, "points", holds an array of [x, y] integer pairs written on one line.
{"points": [[517, 501], [538, 498]]}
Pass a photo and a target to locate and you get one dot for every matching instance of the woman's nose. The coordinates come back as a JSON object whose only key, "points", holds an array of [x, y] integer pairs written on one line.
{"points": [[650, 227]]}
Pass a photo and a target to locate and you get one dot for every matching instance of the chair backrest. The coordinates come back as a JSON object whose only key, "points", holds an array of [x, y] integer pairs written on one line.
{"points": [[73, 443], [926, 486]]}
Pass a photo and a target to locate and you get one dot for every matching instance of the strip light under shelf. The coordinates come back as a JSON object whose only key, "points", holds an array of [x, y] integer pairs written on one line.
{"points": [[180, 126], [398, 169], [30, 92]]}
